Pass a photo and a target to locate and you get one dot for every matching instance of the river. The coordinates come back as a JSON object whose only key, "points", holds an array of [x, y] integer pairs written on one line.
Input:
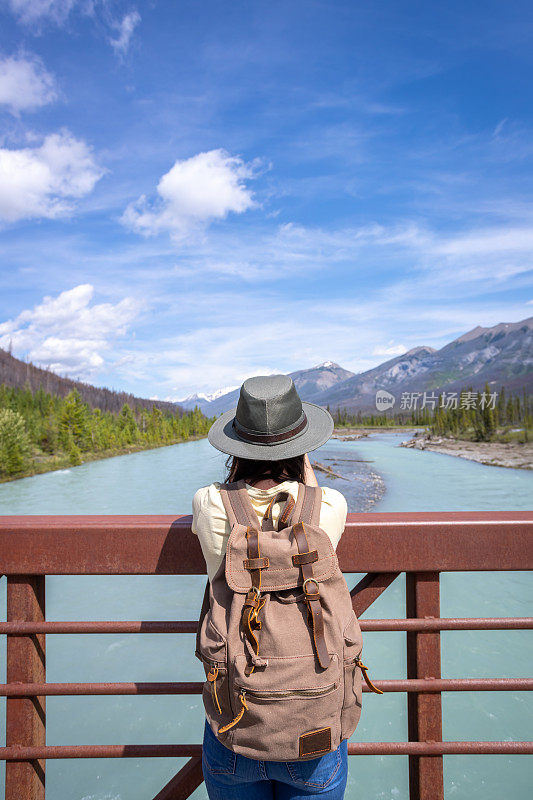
{"points": [[380, 477]]}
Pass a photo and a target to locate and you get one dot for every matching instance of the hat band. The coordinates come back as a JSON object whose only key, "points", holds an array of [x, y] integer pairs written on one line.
{"points": [[268, 438]]}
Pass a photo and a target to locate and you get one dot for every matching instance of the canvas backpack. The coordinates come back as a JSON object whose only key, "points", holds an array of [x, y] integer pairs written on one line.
{"points": [[278, 638]]}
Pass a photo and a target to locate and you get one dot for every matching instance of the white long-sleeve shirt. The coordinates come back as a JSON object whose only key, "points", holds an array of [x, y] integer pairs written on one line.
{"points": [[211, 525]]}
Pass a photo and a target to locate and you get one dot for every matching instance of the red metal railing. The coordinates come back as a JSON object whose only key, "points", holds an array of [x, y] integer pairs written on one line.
{"points": [[382, 545]]}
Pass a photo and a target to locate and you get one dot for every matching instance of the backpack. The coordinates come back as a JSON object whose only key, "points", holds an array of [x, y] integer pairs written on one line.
{"points": [[277, 635]]}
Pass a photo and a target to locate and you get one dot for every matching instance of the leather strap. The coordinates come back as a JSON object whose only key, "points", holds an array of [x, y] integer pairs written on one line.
{"points": [[252, 604], [256, 563], [269, 438], [283, 520], [305, 558], [252, 538], [312, 597]]}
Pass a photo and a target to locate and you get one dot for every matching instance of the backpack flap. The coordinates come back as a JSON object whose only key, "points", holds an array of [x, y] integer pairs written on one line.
{"points": [[279, 547]]}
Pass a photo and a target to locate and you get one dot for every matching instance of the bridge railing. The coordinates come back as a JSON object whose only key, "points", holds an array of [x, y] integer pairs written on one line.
{"points": [[382, 545]]}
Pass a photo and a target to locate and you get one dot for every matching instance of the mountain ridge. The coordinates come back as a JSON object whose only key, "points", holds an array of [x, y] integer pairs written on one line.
{"points": [[501, 355], [17, 373]]}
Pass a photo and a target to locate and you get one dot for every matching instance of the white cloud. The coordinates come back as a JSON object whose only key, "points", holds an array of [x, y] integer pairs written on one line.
{"points": [[32, 11], [125, 29], [66, 333], [390, 350], [25, 84], [35, 14], [487, 241], [203, 355], [195, 191], [41, 181]]}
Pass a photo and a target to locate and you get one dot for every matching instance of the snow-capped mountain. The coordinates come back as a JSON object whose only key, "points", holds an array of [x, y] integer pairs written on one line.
{"points": [[201, 399], [308, 382]]}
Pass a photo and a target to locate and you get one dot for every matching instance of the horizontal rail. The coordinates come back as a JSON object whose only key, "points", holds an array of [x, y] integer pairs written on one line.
{"points": [[448, 624], [150, 545], [190, 626], [15, 753], [380, 545], [196, 687]]}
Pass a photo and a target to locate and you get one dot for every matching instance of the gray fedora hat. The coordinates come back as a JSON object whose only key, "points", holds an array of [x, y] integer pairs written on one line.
{"points": [[271, 422]]}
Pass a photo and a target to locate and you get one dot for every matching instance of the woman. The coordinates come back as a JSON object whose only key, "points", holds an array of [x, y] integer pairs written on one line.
{"points": [[267, 438]]}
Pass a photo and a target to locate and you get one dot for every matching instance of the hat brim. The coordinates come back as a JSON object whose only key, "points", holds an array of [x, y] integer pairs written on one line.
{"points": [[222, 435]]}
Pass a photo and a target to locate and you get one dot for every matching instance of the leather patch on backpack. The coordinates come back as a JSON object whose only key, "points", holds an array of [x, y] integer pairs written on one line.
{"points": [[318, 741]]}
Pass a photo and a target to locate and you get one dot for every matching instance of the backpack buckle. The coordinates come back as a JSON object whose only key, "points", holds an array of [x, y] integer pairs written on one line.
{"points": [[251, 601], [311, 595]]}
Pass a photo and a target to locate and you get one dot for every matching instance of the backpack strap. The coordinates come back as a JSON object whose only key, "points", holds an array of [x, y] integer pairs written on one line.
{"points": [[253, 602], [238, 505], [305, 509], [312, 599], [205, 608], [308, 503], [240, 511]]}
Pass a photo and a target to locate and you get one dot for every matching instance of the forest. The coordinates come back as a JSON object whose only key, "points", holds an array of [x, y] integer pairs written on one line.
{"points": [[474, 416], [40, 431]]}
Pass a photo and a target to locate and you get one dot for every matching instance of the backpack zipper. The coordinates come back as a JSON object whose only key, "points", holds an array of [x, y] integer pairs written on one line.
{"points": [[364, 670], [212, 679], [268, 693], [273, 693]]}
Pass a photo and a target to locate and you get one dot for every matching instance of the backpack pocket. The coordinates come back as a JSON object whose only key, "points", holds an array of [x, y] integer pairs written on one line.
{"points": [[215, 694], [353, 692], [288, 698], [353, 646]]}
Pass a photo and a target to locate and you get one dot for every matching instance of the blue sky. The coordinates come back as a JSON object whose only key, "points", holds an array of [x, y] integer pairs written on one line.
{"points": [[193, 193]]}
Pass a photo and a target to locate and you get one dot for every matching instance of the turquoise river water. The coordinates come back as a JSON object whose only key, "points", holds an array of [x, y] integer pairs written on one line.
{"points": [[378, 475]]}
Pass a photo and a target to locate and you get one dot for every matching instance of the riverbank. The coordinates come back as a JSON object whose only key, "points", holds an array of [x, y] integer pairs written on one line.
{"points": [[351, 434], [57, 461], [515, 455]]}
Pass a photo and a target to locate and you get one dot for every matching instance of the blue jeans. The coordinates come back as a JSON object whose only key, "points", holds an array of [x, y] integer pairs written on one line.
{"points": [[231, 776]]}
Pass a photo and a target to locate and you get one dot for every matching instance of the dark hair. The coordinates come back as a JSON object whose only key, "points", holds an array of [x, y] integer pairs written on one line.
{"points": [[250, 470]]}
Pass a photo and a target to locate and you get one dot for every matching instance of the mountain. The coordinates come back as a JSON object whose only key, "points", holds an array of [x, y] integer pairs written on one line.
{"points": [[501, 355], [312, 383], [359, 391], [15, 372], [309, 383], [203, 400]]}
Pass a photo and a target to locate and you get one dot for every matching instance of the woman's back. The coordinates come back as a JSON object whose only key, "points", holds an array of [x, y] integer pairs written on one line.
{"points": [[211, 525]]}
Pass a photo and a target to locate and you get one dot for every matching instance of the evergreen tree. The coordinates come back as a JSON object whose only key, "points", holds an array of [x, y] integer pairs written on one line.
{"points": [[487, 415], [74, 421], [128, 425], [15, 447]]}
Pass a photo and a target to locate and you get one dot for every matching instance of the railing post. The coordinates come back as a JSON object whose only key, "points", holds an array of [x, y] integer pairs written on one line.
{"points": [[25, 716], [424, 709]]}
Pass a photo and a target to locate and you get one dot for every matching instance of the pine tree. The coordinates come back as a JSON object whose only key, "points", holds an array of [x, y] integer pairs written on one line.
{"points": [[128, 425], [15, 447], [74, 421], [487, 414]]}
